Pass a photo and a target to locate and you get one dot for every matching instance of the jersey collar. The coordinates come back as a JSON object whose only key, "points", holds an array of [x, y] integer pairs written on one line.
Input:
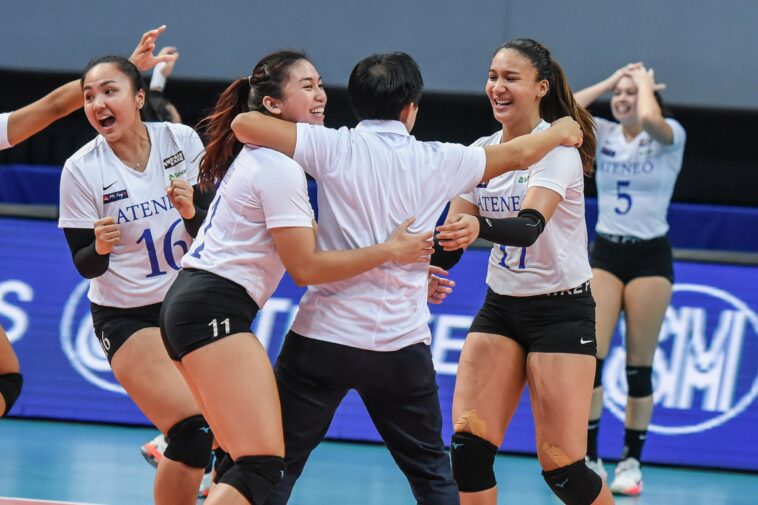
{"points": [[383, 126]]}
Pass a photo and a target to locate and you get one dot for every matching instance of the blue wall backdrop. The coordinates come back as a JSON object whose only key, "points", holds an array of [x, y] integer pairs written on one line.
{"points": [[705, 373]]}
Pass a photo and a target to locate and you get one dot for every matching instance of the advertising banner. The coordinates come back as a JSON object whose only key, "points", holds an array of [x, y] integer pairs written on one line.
{"points": [[705, 371]]}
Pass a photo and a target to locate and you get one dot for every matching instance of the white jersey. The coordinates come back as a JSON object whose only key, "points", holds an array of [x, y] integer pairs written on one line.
{"points": [[96, 184], [558, 260], [635, 180], [262, 189], [370, 179], [4, 118]]}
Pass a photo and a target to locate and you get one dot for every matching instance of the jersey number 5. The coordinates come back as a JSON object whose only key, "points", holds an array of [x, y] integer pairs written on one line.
{"points": [[625, 197]]}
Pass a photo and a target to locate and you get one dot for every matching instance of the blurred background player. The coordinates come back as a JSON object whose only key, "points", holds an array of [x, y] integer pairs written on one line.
{"points": [[632, 265]]}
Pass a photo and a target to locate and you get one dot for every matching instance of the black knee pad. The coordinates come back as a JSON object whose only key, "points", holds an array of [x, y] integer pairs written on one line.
{"points": [[189, 442], [574, 484], [598, 373], [10, 388], [255, 476], [639, 379], [223, 463], [473, 459]]}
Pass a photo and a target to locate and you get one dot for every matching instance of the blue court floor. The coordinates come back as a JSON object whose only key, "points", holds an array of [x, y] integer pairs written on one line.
{"points": [[96, 464]]}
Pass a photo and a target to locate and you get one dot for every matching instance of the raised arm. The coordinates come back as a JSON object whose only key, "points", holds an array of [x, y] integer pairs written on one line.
{"points": [[266, 131], [648, 110], [35, 117], [307, 265], [521, 152], [586, 96]]}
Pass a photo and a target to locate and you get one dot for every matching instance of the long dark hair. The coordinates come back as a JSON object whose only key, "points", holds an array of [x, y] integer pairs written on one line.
{"points": [[269, 77], [559, 100], [126, 67]]}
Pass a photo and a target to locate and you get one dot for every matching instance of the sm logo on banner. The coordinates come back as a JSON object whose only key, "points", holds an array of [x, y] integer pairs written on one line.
{"points": [[705, 370]]}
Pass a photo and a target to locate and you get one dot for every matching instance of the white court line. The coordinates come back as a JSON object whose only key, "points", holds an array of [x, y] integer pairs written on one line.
{"points": [[5, 500]]}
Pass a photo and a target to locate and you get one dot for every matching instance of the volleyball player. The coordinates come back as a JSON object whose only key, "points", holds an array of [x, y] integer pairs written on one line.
{"points": [[638, 160], [17, 126], [259, 223], [129, 211], [536, 326], [369, 332]]}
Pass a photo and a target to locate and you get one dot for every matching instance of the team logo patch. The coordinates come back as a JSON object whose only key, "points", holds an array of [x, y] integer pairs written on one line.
{"points": [[173, 160], [608, 152], [115, 196]]}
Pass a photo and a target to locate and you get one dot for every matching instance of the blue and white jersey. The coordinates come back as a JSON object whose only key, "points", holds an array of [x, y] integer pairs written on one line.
{"points": [[635, 180], [262, 189], [4, 117], [95, 184], [558, 260]]}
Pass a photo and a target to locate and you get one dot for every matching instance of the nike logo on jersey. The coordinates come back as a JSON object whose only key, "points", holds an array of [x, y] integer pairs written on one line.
{"points": [[173, 160], [106, 188], [582, 341], [561, 484], [455, 445]]}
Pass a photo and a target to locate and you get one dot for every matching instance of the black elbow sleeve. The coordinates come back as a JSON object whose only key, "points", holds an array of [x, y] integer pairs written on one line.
{"points": [[445, 259], [520, 231]]}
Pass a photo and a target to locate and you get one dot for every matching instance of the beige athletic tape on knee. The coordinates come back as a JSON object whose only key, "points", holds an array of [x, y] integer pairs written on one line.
{"points": [[556, 454], [469, 422]]}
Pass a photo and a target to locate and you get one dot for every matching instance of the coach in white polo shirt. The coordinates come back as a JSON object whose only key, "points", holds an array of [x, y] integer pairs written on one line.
{"points": [[370, 333]]}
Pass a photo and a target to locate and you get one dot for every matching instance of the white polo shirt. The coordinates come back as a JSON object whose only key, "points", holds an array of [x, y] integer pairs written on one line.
{"points": [[635, 180], [262, 189], [370, 179], [95, 184], [4, 117], [558, 260]]}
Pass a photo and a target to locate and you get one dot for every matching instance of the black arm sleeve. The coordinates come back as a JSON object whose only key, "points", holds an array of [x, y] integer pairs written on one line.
{"points": [[521, 231], [202, 200], [87, 261], [445, 259]]}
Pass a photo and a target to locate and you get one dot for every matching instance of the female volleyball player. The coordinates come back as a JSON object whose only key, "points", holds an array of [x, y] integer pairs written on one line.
{"points": [[638, 160], [259, 224], [536, 326], [17, 126], [129, 211]]}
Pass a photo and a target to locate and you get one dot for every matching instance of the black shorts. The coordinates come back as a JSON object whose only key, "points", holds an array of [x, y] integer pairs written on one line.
{"points": [[114, 326], [628, 260], [200, 308], [563, 322]]}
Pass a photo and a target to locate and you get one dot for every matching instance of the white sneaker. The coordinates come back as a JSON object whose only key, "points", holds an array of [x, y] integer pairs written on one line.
{"points": [[628, 479], [596, 465], [205, 485], [152, 451]]}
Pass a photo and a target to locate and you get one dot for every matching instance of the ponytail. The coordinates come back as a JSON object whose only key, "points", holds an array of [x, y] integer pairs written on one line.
{"points": [[560, 102], [222, 145]]}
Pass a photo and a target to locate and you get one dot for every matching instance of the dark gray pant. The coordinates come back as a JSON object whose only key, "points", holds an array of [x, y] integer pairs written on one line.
{"points": [[400, 394]]}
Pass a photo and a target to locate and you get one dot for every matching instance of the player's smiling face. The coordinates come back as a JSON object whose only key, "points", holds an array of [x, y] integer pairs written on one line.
{"points": [[624, 100], [110, 102], [513, 88], [303, 97]]}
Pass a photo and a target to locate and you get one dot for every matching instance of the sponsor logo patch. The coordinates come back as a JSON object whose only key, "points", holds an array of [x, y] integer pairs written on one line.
{"points": [[115, 196], [173, 160]]}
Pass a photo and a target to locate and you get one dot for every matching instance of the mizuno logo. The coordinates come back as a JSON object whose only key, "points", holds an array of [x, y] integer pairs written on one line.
{"points": [[582, 341], [106, 188], [561, 484], [205, 429], [455, 445]]}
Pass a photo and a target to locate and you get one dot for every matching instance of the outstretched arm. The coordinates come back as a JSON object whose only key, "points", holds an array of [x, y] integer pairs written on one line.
{"points": [[526, 150], [35, 117], [266, 131], [306, 265]]}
